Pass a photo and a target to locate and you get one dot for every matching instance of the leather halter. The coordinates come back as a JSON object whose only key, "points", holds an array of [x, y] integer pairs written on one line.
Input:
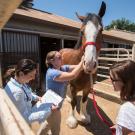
{"points": [[98, 47]]}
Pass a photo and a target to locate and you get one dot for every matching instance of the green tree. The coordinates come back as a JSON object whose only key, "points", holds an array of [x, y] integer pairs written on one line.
{"points": [[122, 24]]}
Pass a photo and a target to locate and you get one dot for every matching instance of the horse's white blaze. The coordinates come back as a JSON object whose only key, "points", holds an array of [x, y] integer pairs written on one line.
{"points": [[90, 51], [90, 57], [90, 32]]}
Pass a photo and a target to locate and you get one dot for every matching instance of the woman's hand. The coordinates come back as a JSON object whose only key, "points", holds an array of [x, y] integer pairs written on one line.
{"points": [[82, 59], [39, 99], [81, 62], [54, 108]]}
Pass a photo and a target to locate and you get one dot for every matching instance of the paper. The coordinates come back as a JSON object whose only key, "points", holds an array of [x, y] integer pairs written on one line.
{"points": [[51, 98]]}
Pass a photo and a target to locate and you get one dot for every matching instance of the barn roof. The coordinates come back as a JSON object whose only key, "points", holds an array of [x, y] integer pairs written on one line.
{"points": [[52, 18], [125, 35]]}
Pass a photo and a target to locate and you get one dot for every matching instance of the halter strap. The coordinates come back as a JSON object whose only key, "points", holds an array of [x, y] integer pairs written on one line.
{"points": [[98, 47]]}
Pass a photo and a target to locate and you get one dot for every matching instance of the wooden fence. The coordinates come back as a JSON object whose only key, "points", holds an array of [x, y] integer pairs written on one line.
{"points": [[11, 121]]}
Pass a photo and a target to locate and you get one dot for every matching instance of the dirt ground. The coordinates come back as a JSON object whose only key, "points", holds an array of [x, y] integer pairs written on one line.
{"points": [[107, 109], [97, 127]]}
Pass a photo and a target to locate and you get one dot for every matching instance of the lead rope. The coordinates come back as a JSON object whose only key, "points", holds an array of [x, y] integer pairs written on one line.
{"points": [[113, 130]]}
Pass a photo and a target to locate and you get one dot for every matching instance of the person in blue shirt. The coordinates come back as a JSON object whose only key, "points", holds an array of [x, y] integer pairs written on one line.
{"points": [[21, 94], [57, 77]]}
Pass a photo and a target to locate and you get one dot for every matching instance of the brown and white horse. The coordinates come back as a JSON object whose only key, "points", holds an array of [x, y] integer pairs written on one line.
{"points": [[89, 45]]}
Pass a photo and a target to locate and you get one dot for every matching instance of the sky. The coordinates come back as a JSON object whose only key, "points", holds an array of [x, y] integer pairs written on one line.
{"points": [[115, 9]]}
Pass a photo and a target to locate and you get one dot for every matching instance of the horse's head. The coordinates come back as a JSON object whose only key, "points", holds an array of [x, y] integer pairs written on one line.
{"points": [[91, 33]]}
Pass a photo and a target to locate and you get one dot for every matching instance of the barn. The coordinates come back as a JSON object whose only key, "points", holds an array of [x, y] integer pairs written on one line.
{"points": [[31, 33]]}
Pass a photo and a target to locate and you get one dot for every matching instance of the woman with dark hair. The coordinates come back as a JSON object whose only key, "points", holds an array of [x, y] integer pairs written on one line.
{"points": [[122, 75], [21, 94]]}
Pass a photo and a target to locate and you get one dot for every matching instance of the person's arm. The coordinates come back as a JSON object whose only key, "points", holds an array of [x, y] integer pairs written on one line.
{"points": [[67, 76], [35, 97], [21, 103], [71, 67]]}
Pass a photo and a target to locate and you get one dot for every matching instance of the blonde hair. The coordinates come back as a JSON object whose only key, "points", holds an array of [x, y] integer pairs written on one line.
{"points": [[50, 56]]}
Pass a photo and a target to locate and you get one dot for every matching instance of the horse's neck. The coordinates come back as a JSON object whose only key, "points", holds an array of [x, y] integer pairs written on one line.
{"points": [[71, 56], [79, 41], [80, 53]]}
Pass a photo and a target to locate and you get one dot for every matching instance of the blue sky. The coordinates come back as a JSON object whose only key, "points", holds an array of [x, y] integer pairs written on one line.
{"points": [[116, 9]]}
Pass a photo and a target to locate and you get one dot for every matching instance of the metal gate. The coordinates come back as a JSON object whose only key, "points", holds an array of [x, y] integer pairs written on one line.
{"points": [[109, 56]]}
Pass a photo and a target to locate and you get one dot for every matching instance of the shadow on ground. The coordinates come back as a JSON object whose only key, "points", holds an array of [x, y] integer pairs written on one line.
{"points": [[97, 127]]}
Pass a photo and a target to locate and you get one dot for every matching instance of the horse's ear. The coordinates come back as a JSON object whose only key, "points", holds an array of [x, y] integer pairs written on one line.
{"points": [[80, 17], [102, 9]]}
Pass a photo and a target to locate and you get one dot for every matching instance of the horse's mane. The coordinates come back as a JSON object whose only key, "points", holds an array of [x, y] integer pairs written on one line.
{"points": [[79, 41], [84, 22]]}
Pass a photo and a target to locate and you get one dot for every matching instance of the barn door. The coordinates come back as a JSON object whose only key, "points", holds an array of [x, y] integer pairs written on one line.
{"points": [[18, 45]]}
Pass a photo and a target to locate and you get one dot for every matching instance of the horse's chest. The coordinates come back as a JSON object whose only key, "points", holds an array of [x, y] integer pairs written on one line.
{"points": [[81, 82]]}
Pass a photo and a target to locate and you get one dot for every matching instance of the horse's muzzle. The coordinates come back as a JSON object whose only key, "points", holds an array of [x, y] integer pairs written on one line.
{"points": [[90, 69]]}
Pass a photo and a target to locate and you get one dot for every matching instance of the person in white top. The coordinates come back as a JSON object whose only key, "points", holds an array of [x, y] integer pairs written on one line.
{"points": [[122, 75]]}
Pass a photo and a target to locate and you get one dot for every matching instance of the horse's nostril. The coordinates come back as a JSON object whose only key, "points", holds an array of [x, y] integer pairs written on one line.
{"points": [[89, 71]]}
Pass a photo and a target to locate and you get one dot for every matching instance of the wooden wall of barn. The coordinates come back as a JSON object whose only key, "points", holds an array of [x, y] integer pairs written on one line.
{"points": [[44, 27]]}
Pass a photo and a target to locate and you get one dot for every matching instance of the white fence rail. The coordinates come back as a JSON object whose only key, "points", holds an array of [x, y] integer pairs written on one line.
{"points": [[108, 56]]}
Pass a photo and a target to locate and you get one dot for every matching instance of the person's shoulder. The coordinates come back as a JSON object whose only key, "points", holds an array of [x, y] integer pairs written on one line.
{"points": [[14, 88], [51, 70], [127, 107], [52, 73], [127, 104]]}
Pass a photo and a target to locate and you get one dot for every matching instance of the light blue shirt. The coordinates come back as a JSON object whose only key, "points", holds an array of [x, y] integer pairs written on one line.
{"points": [[58, 87], [21, 95]]}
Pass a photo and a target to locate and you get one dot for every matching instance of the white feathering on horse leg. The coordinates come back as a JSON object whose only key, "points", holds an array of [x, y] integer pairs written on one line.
{"points": [[72, 121], [68, 99], [85, 117]]}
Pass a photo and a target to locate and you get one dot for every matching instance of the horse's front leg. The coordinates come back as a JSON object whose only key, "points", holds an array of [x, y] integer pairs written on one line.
{"points": [[85, 117], [69, 94], [72, 121]]}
